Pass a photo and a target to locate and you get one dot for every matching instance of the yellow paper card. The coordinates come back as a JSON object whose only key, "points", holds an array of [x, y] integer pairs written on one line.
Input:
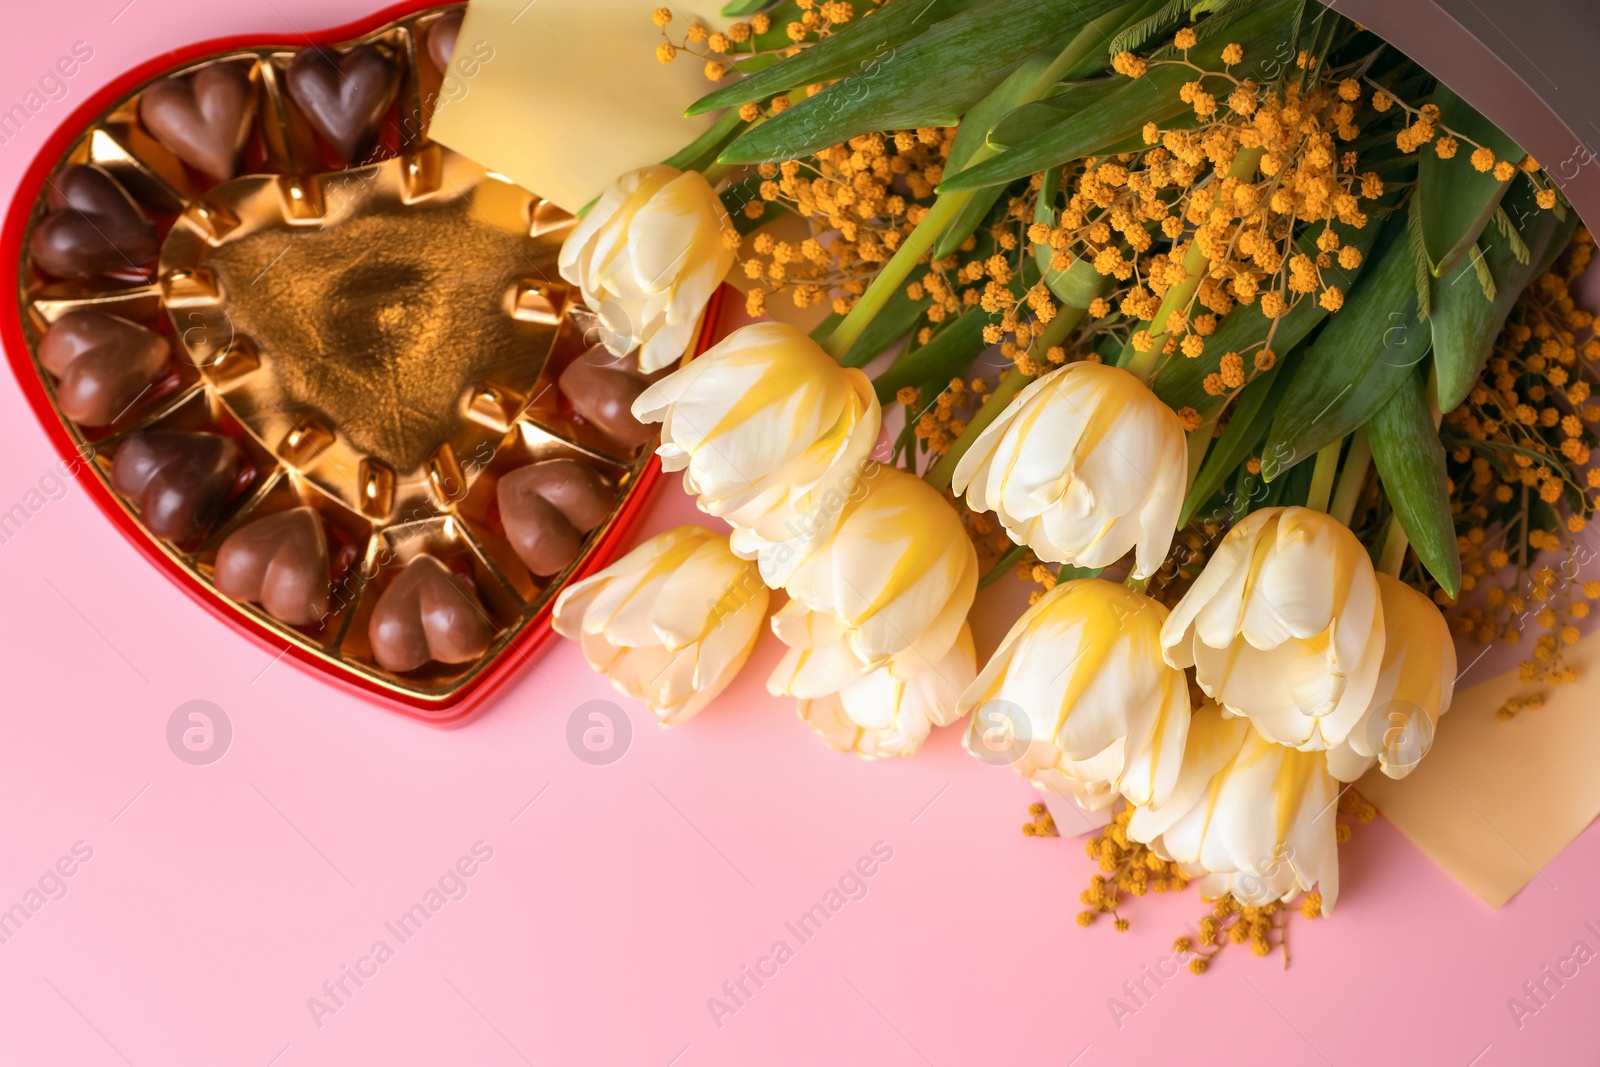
{"points": [[572, 95], [1494, 802]]}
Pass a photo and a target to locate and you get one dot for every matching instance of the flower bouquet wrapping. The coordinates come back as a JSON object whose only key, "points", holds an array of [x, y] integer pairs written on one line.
{"points": [[1244, 340]]}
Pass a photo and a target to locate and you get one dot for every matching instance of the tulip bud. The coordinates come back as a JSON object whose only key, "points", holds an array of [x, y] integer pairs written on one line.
{"points": [[1284, 626], [1415, 685], [647, 258], [1247, 817], [889, 587], [671, 622], [772, 435], [878, 714], [1094, 708], [1083, 466]]}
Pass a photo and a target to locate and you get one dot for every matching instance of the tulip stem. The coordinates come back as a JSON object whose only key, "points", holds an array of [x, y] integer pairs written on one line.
{"points": [[941, 473], [894, 273], [1322, 476], [1353, 478], [1394, 549], [1195, 266], [1001, 565], [1199, 444]]}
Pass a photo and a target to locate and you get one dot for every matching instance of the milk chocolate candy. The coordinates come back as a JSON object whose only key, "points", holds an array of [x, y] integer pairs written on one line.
{"points": [[281, 563], [427, 613], [203, 120], [442, 40], [548, 507], [93, 227], [602, 389], [344, 95], [178, 480], [102, 364]]}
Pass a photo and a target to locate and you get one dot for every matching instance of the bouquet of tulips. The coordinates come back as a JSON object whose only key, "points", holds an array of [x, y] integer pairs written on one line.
{"points": [[1223, 322]]}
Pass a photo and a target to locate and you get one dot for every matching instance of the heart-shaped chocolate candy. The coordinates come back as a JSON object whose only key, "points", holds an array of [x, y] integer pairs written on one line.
{"points": [[281, 563], [427, 613], [93, 227], [102, 364], [548, 507], [203, 120], [602, 388], [344, 95], [442, 40], [178, 480]]}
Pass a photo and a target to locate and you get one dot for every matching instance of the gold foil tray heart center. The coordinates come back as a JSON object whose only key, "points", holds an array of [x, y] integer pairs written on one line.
{"points": [[348, 320]]}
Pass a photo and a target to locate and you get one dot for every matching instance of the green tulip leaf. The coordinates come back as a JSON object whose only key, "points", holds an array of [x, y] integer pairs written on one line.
{"points": [[1410, 462], [898, 315], [857, 46], [1517, 249], [1089, 116], [1356, 363], [1247, 425], [972, 51], [1454, 199]]}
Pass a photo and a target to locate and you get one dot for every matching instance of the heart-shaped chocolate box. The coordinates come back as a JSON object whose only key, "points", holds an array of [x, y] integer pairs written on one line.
{"points": [[349, 337]]}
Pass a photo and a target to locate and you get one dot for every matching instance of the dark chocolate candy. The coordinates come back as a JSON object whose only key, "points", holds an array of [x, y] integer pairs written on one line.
{"points": [[344, 95], [602, 388], [102, 364], [93, 227], [548, 507], [281, 563], [178, 480], [204, 120], [442, 40], [425, 614]]}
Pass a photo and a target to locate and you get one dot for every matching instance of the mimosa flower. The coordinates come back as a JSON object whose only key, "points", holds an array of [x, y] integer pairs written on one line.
{"points": [[1247, 817], [1101, 712], [770, 432], [1284, 626], [1414, 688], [671, 622], [1083, 466], [647, 257]]}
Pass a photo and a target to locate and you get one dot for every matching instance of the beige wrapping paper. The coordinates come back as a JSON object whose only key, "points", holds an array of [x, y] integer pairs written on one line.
{"points": [[574, 95], [1495, 801]]}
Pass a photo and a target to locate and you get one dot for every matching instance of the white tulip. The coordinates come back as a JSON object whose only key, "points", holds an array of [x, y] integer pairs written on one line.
{"points": [[1099, 712], [671, 622], [771, 433], [647, 257], [1284, 626], [1085, 464], [878, 714], [889, 587], [1248, 817], [1414, 688]]}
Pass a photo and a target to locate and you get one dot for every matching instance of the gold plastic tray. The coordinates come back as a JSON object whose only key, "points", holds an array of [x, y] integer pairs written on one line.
{"points": [[382, 342]]}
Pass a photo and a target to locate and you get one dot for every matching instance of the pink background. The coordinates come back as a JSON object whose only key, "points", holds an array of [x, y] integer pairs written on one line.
{"points": [[219, 898]]}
